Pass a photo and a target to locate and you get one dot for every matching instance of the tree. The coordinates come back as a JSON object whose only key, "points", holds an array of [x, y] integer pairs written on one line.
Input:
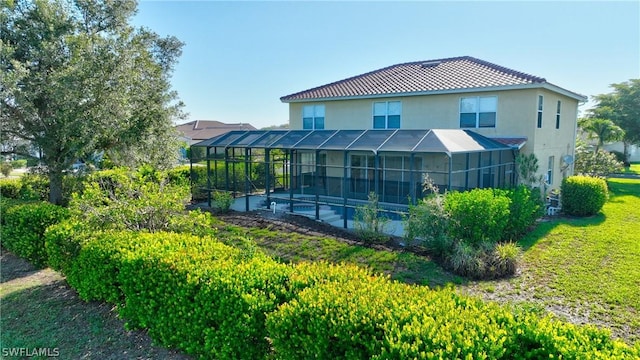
{"points": [[76, 79], [622, 106], [603, 130]]}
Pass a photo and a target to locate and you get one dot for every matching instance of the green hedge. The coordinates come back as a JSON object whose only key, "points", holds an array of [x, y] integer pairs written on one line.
{"points": [[380, 319], [524, 209], [583, 195], [63, 242], [10, 188], [478, 215], [215, 301], [193, 293], [24, 227]]}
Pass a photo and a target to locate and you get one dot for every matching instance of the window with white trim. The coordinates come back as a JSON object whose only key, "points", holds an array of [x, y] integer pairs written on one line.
{"points": [[478, 111], [386, 115], [550, 170], [540, 105], [313, 117], [558, 115]]}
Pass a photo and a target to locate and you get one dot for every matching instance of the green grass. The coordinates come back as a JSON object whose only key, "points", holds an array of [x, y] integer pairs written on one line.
{"points": [[39, 310], [293, 247], [588, 269], [634, 169]]}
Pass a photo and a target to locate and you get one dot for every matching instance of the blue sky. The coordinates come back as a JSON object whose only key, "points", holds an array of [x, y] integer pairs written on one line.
{"points": [[240, 57]]}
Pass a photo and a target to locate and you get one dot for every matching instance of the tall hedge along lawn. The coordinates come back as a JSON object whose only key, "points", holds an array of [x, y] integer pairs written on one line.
{"points": [[217, 301]]}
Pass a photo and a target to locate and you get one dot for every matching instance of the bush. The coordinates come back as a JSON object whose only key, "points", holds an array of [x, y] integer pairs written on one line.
{"points": [[524, 209], [10, 188], [619, 156], [583, 195], [222, 201], [427, 225], [380, 319], [94, 271], [63, 242], [5, 168], [19, 164], [478, 215], [24, 228], [35, 186], [121, 199], [461, 230], [370, 224]]}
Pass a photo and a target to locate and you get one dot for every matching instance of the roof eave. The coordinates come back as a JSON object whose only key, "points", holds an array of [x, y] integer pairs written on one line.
{"points": [[545, 85]]}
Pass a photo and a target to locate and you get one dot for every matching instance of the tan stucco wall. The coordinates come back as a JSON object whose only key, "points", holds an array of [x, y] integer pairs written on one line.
{"points": [[516, 117]]}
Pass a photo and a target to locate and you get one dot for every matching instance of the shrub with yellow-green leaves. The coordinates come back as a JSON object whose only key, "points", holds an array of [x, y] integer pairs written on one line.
{"points": [[221, 302], [380, 319], [23, 228], [583, 195], [10, 188], [63, 242]]}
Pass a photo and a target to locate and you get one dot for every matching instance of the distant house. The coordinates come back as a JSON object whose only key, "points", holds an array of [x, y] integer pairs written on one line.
{"points": [[461, 121], [198, 130]]}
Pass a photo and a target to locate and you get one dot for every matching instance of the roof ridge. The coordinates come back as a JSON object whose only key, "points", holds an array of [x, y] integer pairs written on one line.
{"points": [[365, 74], [414, 77], [507, 70]]}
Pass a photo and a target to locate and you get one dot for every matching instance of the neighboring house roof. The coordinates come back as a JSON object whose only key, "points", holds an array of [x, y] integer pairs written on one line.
{"points": [[448, 141], [205, 129], [450, 75]]}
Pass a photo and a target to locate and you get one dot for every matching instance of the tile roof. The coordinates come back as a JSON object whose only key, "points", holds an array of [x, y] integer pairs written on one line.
{"points": [[457, 73], [205, 129], [514, 142]]}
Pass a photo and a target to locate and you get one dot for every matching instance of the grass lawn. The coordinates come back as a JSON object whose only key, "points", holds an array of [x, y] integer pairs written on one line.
{"points": [[293, 247], [584, 270], [39, 310], [633, 169]]}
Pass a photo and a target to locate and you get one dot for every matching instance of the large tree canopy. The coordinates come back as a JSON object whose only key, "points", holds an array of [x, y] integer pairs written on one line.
{"points": [[77, 79], [622, 106]]}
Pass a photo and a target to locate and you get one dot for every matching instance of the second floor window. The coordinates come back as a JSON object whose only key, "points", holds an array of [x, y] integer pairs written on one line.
{"points": [[540, 105], [558, 115], [313, 117], [386, 115], [478, 111]]}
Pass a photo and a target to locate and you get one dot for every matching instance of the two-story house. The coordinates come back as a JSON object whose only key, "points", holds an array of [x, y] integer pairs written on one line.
{"points": [[461, 121]]}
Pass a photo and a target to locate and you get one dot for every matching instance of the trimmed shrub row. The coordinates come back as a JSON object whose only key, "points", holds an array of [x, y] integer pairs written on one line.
{"points": [[24, 226], [217, 301]]}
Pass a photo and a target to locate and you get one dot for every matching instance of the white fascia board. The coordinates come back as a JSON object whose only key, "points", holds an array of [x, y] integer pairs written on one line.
{"points": [[548, 86]]}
